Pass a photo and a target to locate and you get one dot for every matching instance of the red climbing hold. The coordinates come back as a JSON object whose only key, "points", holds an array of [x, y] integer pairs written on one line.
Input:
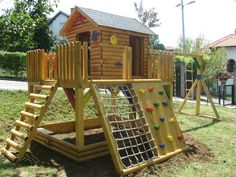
{"points": [[149, 109], [180, 137], [150, 88]]}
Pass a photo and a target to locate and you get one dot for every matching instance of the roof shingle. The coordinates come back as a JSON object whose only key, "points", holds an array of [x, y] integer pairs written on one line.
{"points": [[116, 21]]}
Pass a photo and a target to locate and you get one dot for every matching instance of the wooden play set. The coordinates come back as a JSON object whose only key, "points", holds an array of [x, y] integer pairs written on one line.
{"points": [[129, 84]]}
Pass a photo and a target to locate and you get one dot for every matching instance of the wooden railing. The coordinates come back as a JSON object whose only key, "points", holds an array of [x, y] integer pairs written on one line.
{"points": [[69, 66], [72, 64], [160, 65], [36, 65]]}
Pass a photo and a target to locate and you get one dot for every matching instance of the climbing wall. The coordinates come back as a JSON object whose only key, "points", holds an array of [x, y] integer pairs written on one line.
{"points": [[159, 114], [138, 123]]}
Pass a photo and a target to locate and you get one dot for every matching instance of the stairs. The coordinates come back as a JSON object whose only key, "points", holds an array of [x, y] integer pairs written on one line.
{"points": [[30, 118]]}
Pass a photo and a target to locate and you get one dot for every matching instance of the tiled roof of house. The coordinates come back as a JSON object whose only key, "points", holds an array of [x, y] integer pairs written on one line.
{"points": [[55, 16], [227, 41], [116, 21]]}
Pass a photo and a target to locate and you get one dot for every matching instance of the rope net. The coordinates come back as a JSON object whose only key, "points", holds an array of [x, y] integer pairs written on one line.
{"points": [[128, 126]]}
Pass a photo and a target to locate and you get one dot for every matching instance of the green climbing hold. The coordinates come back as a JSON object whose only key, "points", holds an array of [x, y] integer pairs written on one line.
{"points": [[157, 127], [156, 104], [161, 92]]}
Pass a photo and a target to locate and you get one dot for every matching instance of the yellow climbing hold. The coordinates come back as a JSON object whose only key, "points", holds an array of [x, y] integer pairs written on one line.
{"points": [[170, 138], [173, 120], [142, 91]]}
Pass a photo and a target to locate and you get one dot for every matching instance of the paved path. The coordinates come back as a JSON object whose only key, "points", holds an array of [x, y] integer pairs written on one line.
{"points": [[13, 85]]}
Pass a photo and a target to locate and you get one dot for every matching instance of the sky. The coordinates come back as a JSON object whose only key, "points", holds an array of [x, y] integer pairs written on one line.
{"points": [[213, 19]]}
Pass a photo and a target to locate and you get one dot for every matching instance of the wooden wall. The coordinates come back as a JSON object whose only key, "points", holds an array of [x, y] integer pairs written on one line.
{"points": [[112, 55], [105, 58]]}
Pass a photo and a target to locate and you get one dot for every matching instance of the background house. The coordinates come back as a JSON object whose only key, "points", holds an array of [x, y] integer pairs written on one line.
{"points": [[229, 43], [56, 23]]}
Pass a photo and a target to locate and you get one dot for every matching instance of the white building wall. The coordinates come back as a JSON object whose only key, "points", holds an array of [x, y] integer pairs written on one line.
{"points": [[56, 26], [231, 53]]}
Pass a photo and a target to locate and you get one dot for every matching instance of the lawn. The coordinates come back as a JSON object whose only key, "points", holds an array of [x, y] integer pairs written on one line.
{"points": [[220, 137]]}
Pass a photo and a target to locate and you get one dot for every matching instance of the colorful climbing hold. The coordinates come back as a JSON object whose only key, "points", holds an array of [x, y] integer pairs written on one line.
{"points": [[162, 145], [149, 109], [142, 91], [165, 103], [173, 120], [198, 77], [170, 138], [156, 104], [162, 119], [150, 88], [180, 137], [157, 127], [161, 92]]}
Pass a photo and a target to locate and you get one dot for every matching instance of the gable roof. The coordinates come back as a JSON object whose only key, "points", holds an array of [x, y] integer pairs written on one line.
{"points": [[55, 16], [227, 41], [110, 20]]}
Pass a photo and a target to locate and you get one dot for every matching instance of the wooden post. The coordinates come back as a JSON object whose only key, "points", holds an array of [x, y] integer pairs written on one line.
{"points": [[85, 62], [199, 87], [79, 117], [182, 86]]}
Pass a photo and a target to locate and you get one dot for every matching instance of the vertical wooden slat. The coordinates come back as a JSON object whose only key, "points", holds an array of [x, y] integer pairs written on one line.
{"points": [[85, 62], [68, 63], [78, 62], [58, 58]]}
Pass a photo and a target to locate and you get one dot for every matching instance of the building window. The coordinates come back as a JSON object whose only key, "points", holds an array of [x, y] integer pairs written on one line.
{"points": [[230, 65]]}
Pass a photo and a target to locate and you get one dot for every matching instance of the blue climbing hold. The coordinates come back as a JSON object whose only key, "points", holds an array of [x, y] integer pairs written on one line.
{"points": [[162, 119], [162, 145], [165, 103], [198, 77]]}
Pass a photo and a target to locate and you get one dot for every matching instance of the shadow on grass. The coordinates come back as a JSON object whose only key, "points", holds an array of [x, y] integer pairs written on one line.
{"points": [[41, 156], [202, 126]]}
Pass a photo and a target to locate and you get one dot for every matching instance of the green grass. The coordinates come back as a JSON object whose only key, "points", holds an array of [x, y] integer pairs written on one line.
{"points": [[220, 137]]}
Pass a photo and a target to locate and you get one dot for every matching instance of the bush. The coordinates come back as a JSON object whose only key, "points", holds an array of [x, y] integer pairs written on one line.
{"points": [[13, 63]]}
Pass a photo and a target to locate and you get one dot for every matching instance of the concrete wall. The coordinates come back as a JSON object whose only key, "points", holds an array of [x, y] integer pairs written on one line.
{"points": [[57, 24]]}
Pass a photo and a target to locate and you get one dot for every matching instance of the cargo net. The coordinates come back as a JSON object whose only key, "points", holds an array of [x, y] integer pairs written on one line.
{"points": [[128, 126]]}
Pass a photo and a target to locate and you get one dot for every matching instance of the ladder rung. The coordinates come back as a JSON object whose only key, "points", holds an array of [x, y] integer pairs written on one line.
{"points": [[11, 157], [19, 134], [38, 96], [23, 124], [33, 105], [13, 144], [189, 70], [43, 87], [30, 115]]}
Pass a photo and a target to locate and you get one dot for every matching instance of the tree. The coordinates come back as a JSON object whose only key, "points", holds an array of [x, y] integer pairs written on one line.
{"points": [[25, 27], [149, 18], [215, 59]]}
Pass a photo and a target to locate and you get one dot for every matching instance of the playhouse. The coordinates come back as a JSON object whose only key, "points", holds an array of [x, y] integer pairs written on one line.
{"points": [[108, 62], [107, 35]]}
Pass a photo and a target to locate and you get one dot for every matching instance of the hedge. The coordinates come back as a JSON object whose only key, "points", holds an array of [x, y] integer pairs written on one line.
{"points": [[13, 64]]}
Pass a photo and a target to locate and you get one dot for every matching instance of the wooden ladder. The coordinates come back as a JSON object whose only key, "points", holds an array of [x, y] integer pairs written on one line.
{"points": [[30, 118], [189, 77]]}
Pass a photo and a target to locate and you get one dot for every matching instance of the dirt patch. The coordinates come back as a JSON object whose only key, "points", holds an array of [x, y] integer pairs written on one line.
{"points": [[103, 167]]}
